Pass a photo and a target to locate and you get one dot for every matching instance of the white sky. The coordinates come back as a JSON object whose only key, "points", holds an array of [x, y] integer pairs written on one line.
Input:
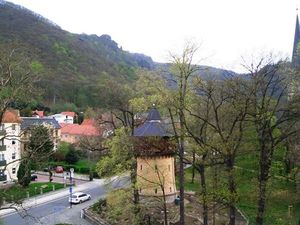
{"points": [[226, 30]]}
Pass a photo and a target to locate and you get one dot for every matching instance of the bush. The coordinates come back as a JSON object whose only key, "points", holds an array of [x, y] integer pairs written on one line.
{"points": [[58, 156], [71, 156], [24, 173], [99, 206]]}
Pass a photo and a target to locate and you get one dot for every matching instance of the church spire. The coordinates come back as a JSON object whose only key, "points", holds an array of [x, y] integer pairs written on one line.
{"points": [[295, 56]]}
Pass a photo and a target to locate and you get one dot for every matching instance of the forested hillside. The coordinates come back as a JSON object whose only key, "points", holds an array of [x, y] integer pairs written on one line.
{"points": [[71, 64], [75, 68]]}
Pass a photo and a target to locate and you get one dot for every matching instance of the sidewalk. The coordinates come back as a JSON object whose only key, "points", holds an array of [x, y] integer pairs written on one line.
{"points": [[51, 196]]}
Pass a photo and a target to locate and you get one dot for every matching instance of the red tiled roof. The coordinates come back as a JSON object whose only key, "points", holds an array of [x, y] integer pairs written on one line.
{"points": [[39, 113], [11, 116], [68, 113], [76, 129], [89, 122]]}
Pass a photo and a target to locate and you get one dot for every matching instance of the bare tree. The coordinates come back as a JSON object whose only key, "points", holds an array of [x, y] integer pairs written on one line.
{"points": [[16, 84], [220, 110], [270, 112], [183, 70]]}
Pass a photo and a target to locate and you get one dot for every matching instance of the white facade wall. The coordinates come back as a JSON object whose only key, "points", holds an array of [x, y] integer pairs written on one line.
{"points": [[12, 152], [60, 118]]}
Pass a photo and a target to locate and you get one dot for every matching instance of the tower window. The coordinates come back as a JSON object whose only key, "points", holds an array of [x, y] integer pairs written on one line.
{"points": [[13, 127], [13, 170], [141, 166], [155, 167], [140, 190], [169, 167], [13, 156], [13, 142], [155, 191], [170, 189]]}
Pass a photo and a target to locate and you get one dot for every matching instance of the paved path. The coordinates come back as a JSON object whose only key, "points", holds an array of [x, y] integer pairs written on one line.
{"points": [[53, 208]]}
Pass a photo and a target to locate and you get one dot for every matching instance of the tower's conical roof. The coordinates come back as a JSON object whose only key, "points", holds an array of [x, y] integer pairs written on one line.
{"points": [[296, 56], [153, 126]]}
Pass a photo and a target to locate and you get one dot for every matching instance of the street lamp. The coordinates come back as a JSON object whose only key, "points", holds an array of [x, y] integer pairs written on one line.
{"points": [[71, 176]]}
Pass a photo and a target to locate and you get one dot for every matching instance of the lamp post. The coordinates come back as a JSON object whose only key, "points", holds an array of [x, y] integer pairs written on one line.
{"points": [[71, 183]]}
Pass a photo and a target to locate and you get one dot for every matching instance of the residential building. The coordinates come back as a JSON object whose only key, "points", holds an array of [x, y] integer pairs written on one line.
{"points": [[72, 133], [38, 114], [64, 117], [53, 126], [10, 145]]}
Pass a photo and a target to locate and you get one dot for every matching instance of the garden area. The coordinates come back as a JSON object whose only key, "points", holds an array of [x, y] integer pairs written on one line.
{"points": [[283, 202], [18, 193], [68, 157]]}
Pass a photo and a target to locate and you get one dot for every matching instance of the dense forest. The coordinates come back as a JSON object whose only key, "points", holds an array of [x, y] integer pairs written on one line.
{"points": [[74, 69]]}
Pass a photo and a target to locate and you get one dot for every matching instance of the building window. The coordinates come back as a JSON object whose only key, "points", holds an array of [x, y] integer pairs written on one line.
{"points": [[13, 127], [2, 157], [13, 170], [13, 142], [2, 127], [1, 142], [13, 156], [155, 190], [141, 167]]}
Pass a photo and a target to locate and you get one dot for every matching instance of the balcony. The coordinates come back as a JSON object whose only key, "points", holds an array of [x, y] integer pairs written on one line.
{"points": [[2, 132], [2, 147], [2, 162], [3, 178]]}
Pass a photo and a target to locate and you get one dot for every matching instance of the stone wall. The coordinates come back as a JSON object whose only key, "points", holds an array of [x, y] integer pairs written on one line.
{"points": [[152, 172]]}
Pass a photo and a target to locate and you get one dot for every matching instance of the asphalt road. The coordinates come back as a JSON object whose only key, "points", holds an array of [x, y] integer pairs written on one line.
{"points": [[58, 210]]}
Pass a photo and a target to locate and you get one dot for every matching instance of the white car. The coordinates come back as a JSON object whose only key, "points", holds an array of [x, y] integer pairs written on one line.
{"points": [[79, 197]]}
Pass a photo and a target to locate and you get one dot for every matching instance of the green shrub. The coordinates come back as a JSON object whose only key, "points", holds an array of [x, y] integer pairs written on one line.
{"points": [[72, 156]]}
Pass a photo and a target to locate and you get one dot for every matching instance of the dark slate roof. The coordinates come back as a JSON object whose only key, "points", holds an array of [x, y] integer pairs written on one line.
{"points": [[153, 126], [28, 122]]}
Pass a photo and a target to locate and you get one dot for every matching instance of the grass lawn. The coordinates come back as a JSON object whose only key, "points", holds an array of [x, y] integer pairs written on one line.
{"points": [[281, 193], [17, 192], [82, 166]]}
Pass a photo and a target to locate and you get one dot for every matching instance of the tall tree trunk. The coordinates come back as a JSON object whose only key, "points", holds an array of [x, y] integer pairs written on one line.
{"points": [[133, 182], [264, 168], [261, 202], [165, 206], [232, 190], [181, 169], [203, 194], [193, 167]]}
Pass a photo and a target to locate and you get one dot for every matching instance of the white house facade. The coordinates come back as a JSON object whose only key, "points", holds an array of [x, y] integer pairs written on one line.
{"points": [[61, 118], [10, 146]]}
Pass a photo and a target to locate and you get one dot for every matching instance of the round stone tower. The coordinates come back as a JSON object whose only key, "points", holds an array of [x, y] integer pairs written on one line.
{"points": [[155, 159]]}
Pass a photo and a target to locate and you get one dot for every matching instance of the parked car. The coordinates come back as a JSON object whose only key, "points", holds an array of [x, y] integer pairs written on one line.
{"points": [[34, 177], [79, 197], [59, 169]]}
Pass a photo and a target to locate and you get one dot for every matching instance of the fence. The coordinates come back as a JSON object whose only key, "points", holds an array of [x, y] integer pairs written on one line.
{"points": [[92, 218]]}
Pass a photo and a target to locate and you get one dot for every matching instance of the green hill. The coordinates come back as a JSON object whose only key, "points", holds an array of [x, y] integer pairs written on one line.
{"points": [[73, 64]]}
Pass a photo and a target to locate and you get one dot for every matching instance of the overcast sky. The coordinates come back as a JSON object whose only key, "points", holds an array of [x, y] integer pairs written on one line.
{"points": [[226, 30]]}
